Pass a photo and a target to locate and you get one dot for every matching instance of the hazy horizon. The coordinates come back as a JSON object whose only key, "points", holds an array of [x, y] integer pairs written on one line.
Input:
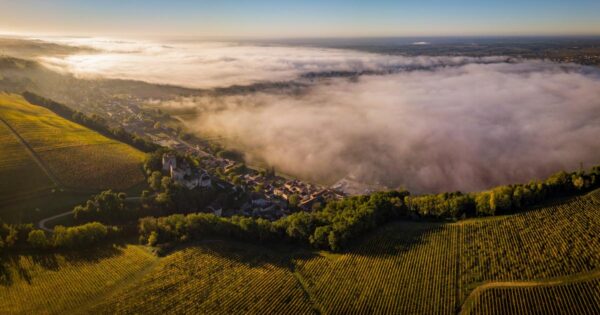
{"points": [[275, 19]]}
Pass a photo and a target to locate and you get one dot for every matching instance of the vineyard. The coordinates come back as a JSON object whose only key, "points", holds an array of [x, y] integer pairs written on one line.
{"points": [[215, 278], [553, 241], [73, 155], [16, 164], [581, 297], [431, 268], [57, 284], [475, 266], [406, 268]]}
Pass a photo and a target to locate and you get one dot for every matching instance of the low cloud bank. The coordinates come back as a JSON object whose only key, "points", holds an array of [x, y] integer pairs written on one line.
{"points": [[455, 128], [221, 64], [450, 123]]}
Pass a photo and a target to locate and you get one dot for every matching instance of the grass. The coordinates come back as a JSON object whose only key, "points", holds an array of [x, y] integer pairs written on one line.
{"points": [[40, 206], [64, 152], [57, 284]]}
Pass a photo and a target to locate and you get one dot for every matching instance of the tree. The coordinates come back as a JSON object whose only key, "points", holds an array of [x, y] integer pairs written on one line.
{"points": [[37, 239], [293, 201], [155, 180], [320, 238], [482, 204], [500, 199], [165, 183]]}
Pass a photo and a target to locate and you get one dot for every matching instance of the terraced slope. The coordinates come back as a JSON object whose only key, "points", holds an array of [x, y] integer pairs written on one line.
{"points": [[60, 284], [70, 154]]}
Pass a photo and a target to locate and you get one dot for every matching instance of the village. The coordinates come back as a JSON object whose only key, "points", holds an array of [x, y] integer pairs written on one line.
{"points": [[269, 196]]}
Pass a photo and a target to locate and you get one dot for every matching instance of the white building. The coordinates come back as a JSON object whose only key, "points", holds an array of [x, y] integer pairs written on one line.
{"points": [[169, 161]]}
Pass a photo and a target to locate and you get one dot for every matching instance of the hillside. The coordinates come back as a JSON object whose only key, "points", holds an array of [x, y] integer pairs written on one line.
{"points": [[578, 295], [59, 283], [404, 267], [45, 150]]}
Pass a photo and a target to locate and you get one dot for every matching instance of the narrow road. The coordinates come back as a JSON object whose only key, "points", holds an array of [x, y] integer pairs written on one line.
{"points": [[42, 223], [526, 284], [33, 155]]}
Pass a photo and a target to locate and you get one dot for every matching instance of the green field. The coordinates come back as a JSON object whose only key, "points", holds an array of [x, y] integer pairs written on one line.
{"points": [[402, 268], [58, 284], [41, 151]]}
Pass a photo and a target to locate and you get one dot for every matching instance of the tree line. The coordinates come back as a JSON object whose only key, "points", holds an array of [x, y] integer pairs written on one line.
{"points": [[340, 221], [93, 122], [15, 237]]}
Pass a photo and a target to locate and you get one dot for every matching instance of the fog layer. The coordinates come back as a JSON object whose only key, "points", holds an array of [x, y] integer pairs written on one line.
{"points": [[456, 128], [424, 123]]}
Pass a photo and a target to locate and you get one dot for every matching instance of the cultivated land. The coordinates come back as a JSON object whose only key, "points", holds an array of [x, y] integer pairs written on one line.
{"points": [[215, 277], [474, 266], [59, 284], [17, 164], [41, 150], [564, 296]]}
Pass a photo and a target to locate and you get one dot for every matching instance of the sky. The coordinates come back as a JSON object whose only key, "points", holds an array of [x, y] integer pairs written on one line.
{"points": [[310, 18]]}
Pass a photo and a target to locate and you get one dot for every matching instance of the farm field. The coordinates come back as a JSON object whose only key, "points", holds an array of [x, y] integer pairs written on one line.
{"points": [[579, 297], [71, 155], [215, 278], [58, 284], [410, 267], [403, 267], [18, 165]]}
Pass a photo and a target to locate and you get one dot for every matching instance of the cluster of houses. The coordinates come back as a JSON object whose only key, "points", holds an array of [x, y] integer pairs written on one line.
{"points": [[183, 173], [276, 193]]}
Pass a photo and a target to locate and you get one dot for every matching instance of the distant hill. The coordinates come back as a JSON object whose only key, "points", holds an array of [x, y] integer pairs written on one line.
{"points": [[42, 151]]}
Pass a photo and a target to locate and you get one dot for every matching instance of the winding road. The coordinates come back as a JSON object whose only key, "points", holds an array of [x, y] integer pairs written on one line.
{"points": [[471, 299], [42, 223]]}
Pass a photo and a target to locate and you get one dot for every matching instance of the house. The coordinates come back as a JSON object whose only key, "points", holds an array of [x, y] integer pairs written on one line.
{"points": [[177, 174], [205, 181], [169, 160]]}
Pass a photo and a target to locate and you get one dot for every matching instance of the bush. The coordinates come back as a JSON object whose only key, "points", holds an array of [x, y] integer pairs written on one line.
{"points": [[80, 236], [37, 239]]}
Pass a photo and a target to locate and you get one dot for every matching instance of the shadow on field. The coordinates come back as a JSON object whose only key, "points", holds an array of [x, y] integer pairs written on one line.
{"points": [[395, 238], [21, 267], [251, 255]]}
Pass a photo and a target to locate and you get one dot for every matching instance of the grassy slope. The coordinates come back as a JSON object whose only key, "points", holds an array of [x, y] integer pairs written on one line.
{"points": [[55, 284], [77, 158]]}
